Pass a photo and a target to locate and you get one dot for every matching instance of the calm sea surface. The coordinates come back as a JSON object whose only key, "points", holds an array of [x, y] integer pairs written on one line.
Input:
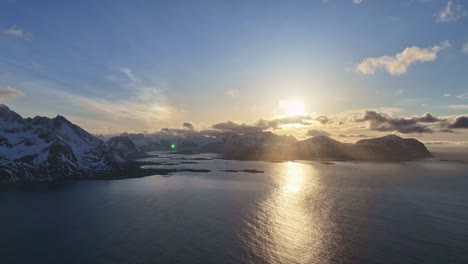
{"points": [[295, 212]]}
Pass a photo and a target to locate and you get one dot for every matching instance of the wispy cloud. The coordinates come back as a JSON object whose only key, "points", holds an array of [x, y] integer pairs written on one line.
{"points": [[9, 93], [463, 96], [128, 73], [232, 93], [358, 1], [17, 32], [459, 107], [131, 106], [399, 63], [465, 48], [123, 75], [451, 12]]}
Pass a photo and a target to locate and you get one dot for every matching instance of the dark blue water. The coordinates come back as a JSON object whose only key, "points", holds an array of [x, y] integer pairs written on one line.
{"points": [[293, 213]]}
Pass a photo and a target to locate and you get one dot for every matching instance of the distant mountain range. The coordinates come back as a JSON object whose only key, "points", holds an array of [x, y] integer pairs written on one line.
{"points": [[271, 147], [43, 149]]}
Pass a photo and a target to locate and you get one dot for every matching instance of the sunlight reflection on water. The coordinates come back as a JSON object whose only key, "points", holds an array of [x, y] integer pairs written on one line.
{"points": [[287, 227]]}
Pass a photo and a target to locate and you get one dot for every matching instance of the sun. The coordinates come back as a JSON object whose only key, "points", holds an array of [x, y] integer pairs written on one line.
{"points": [[293, 107]]}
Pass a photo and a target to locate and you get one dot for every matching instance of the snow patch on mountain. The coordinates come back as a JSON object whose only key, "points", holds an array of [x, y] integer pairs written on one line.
{"points": [[50, 148]]}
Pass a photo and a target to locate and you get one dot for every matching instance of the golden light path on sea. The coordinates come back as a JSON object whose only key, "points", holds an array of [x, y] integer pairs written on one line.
{"points": [[290, 223]]}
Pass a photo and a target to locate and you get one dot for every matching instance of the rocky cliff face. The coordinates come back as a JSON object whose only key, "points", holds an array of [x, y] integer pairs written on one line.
{"points": [[252, 146], [390, 148], [41, 148], [125, 147]]}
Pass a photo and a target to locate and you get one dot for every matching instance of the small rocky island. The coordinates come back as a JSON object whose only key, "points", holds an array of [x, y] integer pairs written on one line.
{"points": [[45, 149]]}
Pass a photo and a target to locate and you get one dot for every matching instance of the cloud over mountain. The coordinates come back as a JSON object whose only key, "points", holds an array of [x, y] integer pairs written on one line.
{"points": [[427, 118], [460, 122], [188, 126], [381, 122], [230, 126], [317, 132]]}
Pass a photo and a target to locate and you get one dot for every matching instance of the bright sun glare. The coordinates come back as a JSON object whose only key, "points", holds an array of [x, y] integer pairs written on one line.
{"points": [[293, 108]]}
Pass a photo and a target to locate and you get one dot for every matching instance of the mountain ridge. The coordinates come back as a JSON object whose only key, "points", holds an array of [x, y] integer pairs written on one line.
{"points": [[44, 149]]}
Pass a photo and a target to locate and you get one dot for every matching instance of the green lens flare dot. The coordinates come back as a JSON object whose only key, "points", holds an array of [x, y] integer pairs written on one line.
{"points": [[172, 146]]}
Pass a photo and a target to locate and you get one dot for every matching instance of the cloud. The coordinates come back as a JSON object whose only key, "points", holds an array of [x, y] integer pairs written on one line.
{"points": [[463, 96], [188, 126], [381, 122], [451, 12], [458, 107], [358, 1], [447, 95], [9, 93], [465, 48], [291, 120], [128, 73], [427, 118], [446, 130], [130, 107], [352, 136], [441, 142], [460, 122], [232, 93], [230, 126], [399, 92], [18, 32], [399, 64], [317, 132], [276, 123], [323, 120], [124, 76]]}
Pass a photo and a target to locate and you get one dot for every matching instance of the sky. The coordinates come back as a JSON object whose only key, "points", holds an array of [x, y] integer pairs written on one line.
{"points": [[370, 67]]}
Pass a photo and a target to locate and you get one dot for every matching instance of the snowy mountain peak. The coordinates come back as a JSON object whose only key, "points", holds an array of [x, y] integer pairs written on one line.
{"points": [[7, 115], [50, 148]]}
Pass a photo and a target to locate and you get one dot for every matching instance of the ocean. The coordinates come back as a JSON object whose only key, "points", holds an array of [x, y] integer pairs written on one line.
{"points": [[293, 212]]}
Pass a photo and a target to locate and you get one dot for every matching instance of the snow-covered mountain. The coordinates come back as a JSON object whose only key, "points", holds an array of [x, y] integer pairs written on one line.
{"points": [[41, 148]]}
